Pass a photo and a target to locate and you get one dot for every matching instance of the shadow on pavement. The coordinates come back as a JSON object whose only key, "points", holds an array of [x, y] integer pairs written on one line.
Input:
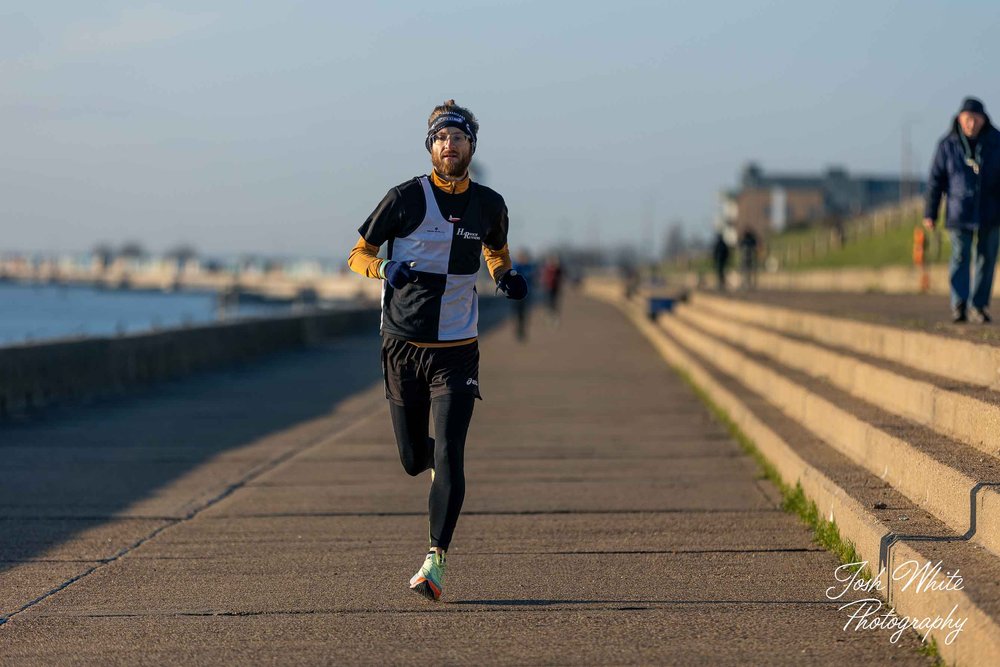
{"points": [[71, 468]]}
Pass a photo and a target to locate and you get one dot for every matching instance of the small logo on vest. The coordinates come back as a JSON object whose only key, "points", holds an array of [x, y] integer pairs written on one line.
{"points": [[467, 235], [436, 230]]}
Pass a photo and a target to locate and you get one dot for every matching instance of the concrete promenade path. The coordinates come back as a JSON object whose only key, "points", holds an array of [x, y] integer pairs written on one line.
{"points": [[260, 516]]}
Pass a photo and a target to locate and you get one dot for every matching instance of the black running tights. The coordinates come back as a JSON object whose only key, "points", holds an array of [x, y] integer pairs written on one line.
{"points": [[445, 453]]}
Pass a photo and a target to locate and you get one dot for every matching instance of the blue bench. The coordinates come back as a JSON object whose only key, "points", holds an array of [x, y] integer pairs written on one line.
{"points": [[660, 304]]}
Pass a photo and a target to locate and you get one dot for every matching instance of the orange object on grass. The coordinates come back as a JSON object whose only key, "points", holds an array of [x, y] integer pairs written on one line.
{"points": [[919, 245]]}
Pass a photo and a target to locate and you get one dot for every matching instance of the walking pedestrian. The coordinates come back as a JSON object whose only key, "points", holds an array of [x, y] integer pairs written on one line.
{"points": [[436, 226], [966, 173], [552, 279], [720, 257], [525, 266], [748, 257]]}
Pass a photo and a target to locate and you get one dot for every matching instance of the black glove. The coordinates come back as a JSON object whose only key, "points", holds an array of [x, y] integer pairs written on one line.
{"points": [[399, 274], [513, 285]]}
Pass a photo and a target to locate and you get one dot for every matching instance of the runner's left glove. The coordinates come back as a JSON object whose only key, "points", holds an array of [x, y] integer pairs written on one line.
{"points": [[513, 285]]}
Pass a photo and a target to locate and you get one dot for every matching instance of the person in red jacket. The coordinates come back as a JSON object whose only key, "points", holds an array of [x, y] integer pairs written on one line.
{"points": [[552, 281]]}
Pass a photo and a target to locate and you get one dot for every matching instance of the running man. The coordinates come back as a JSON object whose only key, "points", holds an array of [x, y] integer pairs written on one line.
{"points": [[436, 227]]}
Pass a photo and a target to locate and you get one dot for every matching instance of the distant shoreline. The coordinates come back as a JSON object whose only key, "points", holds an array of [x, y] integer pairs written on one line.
{"points": [[32, 312]]}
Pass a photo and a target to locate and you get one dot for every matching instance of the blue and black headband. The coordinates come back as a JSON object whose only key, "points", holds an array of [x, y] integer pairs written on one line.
{"points": [[450, 119]]}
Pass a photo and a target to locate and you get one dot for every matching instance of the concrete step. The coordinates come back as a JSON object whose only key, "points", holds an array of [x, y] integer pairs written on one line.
{"points": [[948, 356], [886, 527], [955, 482], [944, 406], [887, 279]]}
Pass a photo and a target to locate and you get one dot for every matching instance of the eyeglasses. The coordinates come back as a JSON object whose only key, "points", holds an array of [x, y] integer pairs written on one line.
{"points": [[457, 138]]}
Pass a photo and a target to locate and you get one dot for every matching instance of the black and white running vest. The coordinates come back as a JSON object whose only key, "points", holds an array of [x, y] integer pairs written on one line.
{"points": [[442, 305]]}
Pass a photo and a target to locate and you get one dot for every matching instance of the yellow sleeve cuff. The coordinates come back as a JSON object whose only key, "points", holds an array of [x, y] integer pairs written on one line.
{"points": [[364, 259]]}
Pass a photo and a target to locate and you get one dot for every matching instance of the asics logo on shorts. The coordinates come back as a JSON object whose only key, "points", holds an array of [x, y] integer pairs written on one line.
{"points": [[471, 381]]}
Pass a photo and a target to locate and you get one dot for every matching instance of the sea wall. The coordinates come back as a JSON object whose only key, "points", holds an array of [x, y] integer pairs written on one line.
{"points": [[39, 374]]}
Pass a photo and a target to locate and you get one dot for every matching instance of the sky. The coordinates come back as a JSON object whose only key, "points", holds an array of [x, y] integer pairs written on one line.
{"points": [[276, 127]]}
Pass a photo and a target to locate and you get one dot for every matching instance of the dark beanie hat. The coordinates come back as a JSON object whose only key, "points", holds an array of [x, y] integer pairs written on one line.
{"points": [[450, 118], [973, 105]]}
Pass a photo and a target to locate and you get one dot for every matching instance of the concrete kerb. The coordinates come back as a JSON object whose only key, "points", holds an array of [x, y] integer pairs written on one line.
{"points": [[979, 643], [889, 279], [980, 364], [939, 409], [935, 486]]}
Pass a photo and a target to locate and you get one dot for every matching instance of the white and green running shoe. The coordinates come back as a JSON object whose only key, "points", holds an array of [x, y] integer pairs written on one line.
{"points": [[429, 581]]}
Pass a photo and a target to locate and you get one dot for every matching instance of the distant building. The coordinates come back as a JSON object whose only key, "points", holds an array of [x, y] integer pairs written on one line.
{"points": [[773, 202]]}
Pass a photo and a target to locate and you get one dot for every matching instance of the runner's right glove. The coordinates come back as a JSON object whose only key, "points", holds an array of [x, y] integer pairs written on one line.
{"points": [[398, 274], [513, 285]]}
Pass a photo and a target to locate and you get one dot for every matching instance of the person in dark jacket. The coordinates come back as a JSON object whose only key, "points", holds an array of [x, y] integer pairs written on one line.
{"points": [[524, 265], [966, 171], [720, 256], [748, 257]]}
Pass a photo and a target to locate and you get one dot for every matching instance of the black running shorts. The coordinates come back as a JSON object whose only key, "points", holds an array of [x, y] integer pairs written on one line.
{"points": [[414, 374]]}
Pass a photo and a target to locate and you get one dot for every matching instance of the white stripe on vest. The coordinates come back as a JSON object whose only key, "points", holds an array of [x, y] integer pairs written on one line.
{"points": [[429, 245]]}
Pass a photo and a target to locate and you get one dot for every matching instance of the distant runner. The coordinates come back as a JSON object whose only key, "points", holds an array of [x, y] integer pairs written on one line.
{"points": [[525, 266], [436, 227], [552, 280]]}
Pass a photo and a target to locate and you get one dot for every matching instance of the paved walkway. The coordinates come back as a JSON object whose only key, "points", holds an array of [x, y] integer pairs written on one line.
{"points": [[261, 516]]}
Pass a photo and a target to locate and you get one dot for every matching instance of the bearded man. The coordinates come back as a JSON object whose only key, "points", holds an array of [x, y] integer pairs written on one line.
{"points": [[436, 227]]}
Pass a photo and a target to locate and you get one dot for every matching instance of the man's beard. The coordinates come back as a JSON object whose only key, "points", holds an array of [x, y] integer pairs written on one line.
{"points": [[451, 169]]}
